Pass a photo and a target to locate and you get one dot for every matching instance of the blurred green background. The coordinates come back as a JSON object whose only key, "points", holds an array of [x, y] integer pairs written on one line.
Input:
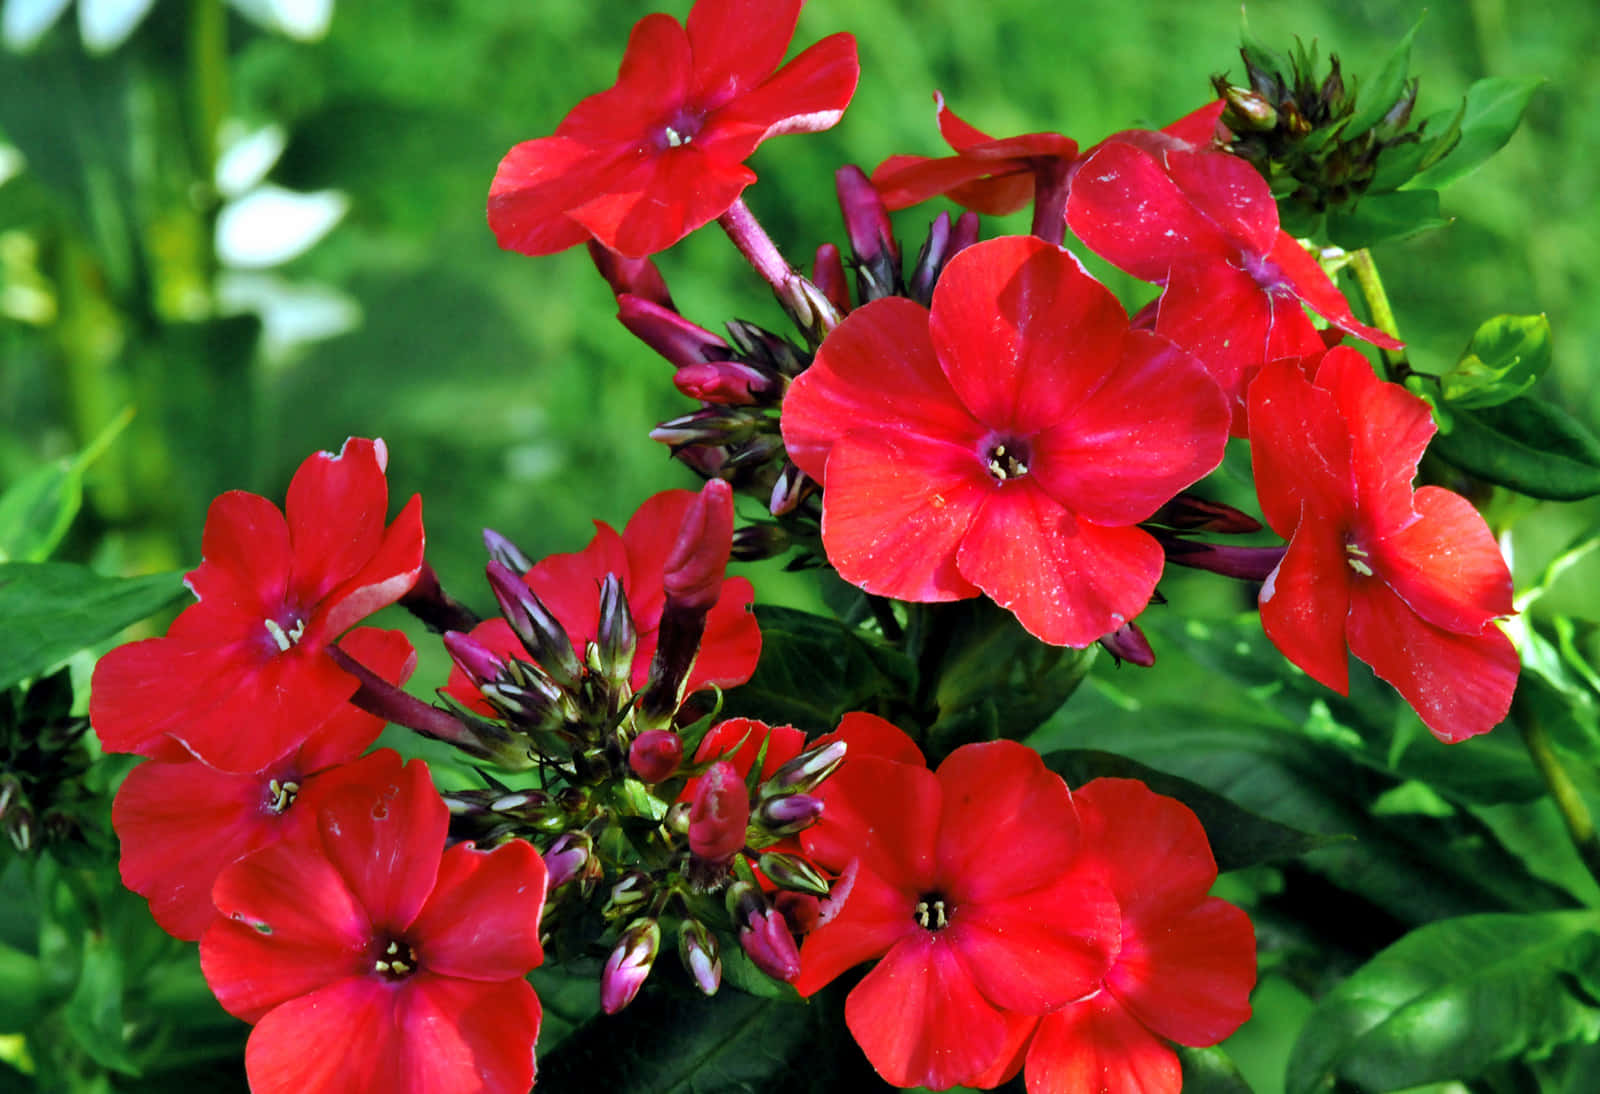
{"points": [[508, 395]]}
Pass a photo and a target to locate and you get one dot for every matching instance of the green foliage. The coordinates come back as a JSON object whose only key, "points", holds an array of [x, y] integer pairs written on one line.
{"points": [[1506, 357], [1529, 445], [1493, 109], [37, 510], [1452, 998]]}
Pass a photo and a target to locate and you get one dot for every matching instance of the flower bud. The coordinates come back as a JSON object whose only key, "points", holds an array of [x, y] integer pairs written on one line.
{"points": [[629, 964], [670, 334], [694, 569], [1128, 643], [828, 275], [809, 307], [872, 241], [540, 632], [567, 858], [712, 426], [719, 814], [503, 551], [801, 911], [697, 948], [1191, 513], [728, 383], [655, 755], [1244, 563], [766, 939], [634, 276], [616, 638], [790, 490], [806, 772], [480, 663], [755, 542], [791, 813], [630, 892], [792, 872], [1247, 110]]}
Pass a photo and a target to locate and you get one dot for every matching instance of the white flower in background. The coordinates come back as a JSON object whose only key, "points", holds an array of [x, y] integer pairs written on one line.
{"points": [[105, 24]]}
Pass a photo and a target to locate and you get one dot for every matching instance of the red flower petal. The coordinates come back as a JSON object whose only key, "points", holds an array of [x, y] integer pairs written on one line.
{"points": [[807, 95], [903, 181], [920, 1020], [1023, 333], [481, 922], [653, 80], [1187, 975], [1460, 685], [1299, 450], [661, 199], [876, 366], [387, 576], [731, 645], [350, 730], [343, 1037], [1154, 425], [896, 510], [1305, 277], [1097, 1045], [736, 44], [955, 130], [874, 917], [569, 585], [1445, 564], [1217, 312], [534, 186], [1067, 581], [869, 735], [1305, 600], [336, 508], [465, 1037], [244, 575], [1229, 192], [882, 812], [384, 838], [1139, 838], [1389, 429]]}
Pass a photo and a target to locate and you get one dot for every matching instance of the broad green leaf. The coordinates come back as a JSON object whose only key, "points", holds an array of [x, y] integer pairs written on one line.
{"points": [[21, 989], [1528, 445], [812, 670], [1376, 99], [94, 1014], [569, 993], [1506, 356], [1452, 998], [1239, 838], [54, 609], [1494, 109], [1210, 1071], [38, 509], [1382, 218]]}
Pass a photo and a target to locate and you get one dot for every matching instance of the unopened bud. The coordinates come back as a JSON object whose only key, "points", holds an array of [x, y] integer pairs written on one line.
{"points": [[694, 569], [789, 814], [828, 275], [1247, 110], [1244, 563], [19, 825], [872, 241], [792, 872], [479, 662], [540, 632], [655, 755], [677, 818], [631, 891], [1128, 643], [806, 772], [635, 276], [790, 490], [568, 858], [720, 813], [698, 949], [801, 911], [809, 307], [616, 638], [503, 551], [1192, 513], [670, 334], [720, 426], [766, 939], [728, 383], [755, 542], [629, 964]]}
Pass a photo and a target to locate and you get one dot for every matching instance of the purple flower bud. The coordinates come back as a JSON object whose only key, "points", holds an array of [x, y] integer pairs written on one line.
{"points": [[437, 609], [700, 556], [755, 542], [766, 939], [872, 241], [729, 383], [712, 426], [1128, 643], [791, 813], [807, 771], [616, 638], [828, 275], [539, 631], [670, 334], [655, 755], [808, 306], [720, 813], [475, 659], [1192, 513], [635, 276], [792, 872], [790, 490], [1245, 563], [629, 964], [503, 551], [697, 948], [567, 858]]}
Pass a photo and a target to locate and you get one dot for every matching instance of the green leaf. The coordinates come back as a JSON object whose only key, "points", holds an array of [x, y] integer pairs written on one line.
{"points": [[1382, 218], [1506, 356], [54, 609], [1239, 838], [1378, 98], [38, 509], [1494, 109], [94, 1013], [1210, 1071], [1528, 445], [812, 670], [21, 989], [1450, 999]]}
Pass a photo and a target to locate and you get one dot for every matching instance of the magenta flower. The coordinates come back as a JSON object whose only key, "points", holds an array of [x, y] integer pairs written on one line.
{"points": [[662, 152], [244, 676], [1004, 443], [369, 957], [1411, 580]]}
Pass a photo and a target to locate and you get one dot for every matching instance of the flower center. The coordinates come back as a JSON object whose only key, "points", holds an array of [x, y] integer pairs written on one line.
{"points": [[1356, 556], [284, 639], [282, 794], [679, 129], [932, 912], [397, 961], [1007, 460]]}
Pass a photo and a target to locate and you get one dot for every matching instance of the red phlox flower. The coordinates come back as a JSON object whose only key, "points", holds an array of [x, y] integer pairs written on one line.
{"points": [[569, 585], [966, 883], [1005, 443], [662, 152], [161, 805], [1204, 225], [244, 676], [1183, 969], [1412, 581], [369, 957]]}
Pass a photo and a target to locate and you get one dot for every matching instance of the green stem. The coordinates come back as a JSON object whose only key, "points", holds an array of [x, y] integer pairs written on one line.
{"points": [[1580, 824], [1366, 271]]}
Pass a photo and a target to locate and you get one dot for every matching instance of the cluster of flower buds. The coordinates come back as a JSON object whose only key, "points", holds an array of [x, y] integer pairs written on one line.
{"points": [[42, 763]]}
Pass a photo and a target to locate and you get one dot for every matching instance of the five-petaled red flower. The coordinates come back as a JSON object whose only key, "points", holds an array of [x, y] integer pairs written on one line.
{"points": [[161, 805], [1204, 224], [967, 883], [245, 676], [662, 152], [369, 957], [1184, 965], [1004, 443], [1412, 581], [569, 585]]}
